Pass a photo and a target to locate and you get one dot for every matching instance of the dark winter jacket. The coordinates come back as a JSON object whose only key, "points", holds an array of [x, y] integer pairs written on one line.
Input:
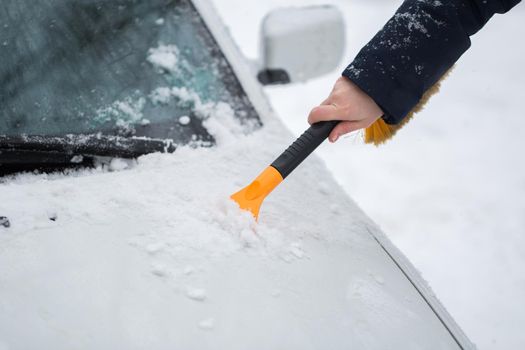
{"points": [[416, 47]]}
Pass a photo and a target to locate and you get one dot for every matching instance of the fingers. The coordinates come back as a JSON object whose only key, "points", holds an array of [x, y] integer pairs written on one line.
{"points": [[345, 128], [327, 112], [324, 113]]}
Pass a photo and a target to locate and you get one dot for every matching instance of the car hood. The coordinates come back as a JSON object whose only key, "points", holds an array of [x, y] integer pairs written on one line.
{"points": [[156, 256]]}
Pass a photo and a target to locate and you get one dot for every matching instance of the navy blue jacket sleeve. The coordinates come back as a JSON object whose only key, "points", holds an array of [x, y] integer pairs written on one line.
{"points": [[416, 47]]}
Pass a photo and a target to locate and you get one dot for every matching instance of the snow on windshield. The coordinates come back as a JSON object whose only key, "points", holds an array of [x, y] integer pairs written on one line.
{"points": [[99, 64], [164, 57], [166, 60]]}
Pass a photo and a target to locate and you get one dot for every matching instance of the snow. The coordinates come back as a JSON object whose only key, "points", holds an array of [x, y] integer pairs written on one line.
{"points": [[188, 270], [184, 120], [117, 164], [411, 22], [152, 254], [221, 126], [77, 159], [207, 324], [125, 112], [197, 294], [449, 190], [161, 95], [164, 57], [159, 270], [296, 250]]}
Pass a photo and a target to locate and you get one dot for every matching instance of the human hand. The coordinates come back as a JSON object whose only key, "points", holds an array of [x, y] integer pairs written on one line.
{"points": [[348, 103]]}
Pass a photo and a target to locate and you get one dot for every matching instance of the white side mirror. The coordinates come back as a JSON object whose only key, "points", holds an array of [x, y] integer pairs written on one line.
{"points": [[298, 44]]}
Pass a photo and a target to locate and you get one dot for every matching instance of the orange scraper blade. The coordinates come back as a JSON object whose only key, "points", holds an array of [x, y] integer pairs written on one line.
{"points": [[251, 197]]}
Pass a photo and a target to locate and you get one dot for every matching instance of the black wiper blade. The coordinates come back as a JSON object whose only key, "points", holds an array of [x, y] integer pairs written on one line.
{"points": [[51, 153], [85, 145]]}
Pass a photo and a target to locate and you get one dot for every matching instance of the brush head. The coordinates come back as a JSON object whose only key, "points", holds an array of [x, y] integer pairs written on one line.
{"points": [[251, 197]]}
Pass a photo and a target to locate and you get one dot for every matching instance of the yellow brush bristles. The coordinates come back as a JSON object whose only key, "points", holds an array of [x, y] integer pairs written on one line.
{"points": [[380, 132]]}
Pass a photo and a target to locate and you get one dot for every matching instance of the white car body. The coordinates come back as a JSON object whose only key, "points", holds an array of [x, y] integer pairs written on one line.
{"points": [[156, 257]]}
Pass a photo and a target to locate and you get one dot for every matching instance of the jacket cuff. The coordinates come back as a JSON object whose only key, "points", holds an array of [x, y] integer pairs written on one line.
{"points": [[395, 101]]}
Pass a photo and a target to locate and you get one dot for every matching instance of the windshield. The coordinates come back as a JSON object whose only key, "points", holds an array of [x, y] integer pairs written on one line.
{"points": [[124, 67]]}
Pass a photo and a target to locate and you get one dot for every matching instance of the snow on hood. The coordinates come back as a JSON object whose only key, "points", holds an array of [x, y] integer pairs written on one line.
{"points": [[156, 256]]}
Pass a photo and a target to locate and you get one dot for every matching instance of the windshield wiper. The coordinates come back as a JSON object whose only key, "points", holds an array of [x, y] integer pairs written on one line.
{"points": [[93, 144], [25, 152]]}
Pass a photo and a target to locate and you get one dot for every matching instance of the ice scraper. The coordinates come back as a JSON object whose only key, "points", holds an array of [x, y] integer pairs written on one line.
{"points": [[251, 197]]}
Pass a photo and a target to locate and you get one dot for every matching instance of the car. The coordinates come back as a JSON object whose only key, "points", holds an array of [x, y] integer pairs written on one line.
{"points": [[125, 126]]}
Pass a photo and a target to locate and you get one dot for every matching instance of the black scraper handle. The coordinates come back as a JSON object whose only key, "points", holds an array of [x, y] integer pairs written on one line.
{"points": [[303, 147]]}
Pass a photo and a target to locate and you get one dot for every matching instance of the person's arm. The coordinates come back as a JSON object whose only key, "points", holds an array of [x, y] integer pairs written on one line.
{"points": [[407, 57]]}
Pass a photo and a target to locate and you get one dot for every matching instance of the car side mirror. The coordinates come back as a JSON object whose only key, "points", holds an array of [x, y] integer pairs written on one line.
{"points": [[298, 44]]}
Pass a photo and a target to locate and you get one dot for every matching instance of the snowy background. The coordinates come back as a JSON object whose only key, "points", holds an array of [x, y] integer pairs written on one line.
{"points": [[449, 190]]}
